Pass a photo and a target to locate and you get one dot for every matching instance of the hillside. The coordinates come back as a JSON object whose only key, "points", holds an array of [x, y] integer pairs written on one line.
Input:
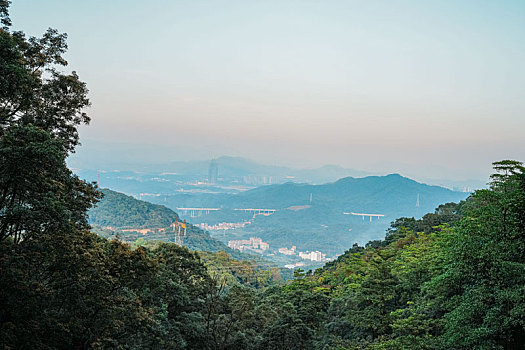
{"points": [[320, 224], [393, 194], [117, 212], [121, 211]]}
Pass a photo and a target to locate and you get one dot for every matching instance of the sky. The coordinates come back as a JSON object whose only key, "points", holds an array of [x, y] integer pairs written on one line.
{"points": [[425, 88]]}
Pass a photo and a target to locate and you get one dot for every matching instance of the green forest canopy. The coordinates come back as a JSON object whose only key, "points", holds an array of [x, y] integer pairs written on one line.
{"points": [[121, 211], [457, 285], [451, 280]]}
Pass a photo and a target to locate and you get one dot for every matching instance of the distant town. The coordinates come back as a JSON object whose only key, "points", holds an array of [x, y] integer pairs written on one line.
{"points": [[256, 245]]}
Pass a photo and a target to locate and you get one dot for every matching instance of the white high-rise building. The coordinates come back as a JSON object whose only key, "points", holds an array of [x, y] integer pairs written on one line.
{"points": [[313, 256]]}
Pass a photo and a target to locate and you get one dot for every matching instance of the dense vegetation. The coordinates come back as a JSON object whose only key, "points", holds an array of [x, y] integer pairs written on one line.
{"points": [[120, 211], [454, 279], [116, 211]]}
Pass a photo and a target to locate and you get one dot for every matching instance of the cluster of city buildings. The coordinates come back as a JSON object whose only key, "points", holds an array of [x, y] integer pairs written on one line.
{"points": [[313, 256], [144, 231], [257, 180], [293, 266], [254, 244], [224, 225], [287, 251]]}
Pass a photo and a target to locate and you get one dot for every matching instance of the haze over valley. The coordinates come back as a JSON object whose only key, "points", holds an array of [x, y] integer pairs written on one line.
{"points": [[314, 210]]}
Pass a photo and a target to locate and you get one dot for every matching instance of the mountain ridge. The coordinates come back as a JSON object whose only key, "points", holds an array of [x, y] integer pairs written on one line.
{"points": [[323, 224]]}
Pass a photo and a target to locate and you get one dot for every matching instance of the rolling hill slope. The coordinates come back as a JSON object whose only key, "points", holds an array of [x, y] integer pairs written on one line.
{"points": [[321, 224], [117, 212]]}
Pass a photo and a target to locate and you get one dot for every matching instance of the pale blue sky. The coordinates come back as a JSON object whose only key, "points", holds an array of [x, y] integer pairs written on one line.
{"points": [[425, 88]]}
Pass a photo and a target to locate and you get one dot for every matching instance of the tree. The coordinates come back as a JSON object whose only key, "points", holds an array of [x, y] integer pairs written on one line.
{"points": [[40, 109], [34, 92], [486, 261], [37, 191]]}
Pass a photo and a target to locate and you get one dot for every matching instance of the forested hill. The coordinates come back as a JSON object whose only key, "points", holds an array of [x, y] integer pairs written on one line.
{"points": [[393, 194], [121, 211], [117, 212], [321, 224]]}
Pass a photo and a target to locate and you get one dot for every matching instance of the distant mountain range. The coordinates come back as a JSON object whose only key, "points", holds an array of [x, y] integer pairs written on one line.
{"points": [[319, 223], [231, 167], [231, 171], [234, 174], [311, 217], [392, 194]]}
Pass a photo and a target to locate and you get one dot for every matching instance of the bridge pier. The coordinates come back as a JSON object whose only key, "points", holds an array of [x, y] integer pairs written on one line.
{"points": [[371, 216]]}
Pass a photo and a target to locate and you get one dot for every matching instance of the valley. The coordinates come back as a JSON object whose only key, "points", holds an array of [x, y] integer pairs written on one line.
{"points": [[326, 218]]}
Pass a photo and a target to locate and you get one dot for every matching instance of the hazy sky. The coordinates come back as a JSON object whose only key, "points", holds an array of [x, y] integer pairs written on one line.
{"points": [[427, 88]]}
